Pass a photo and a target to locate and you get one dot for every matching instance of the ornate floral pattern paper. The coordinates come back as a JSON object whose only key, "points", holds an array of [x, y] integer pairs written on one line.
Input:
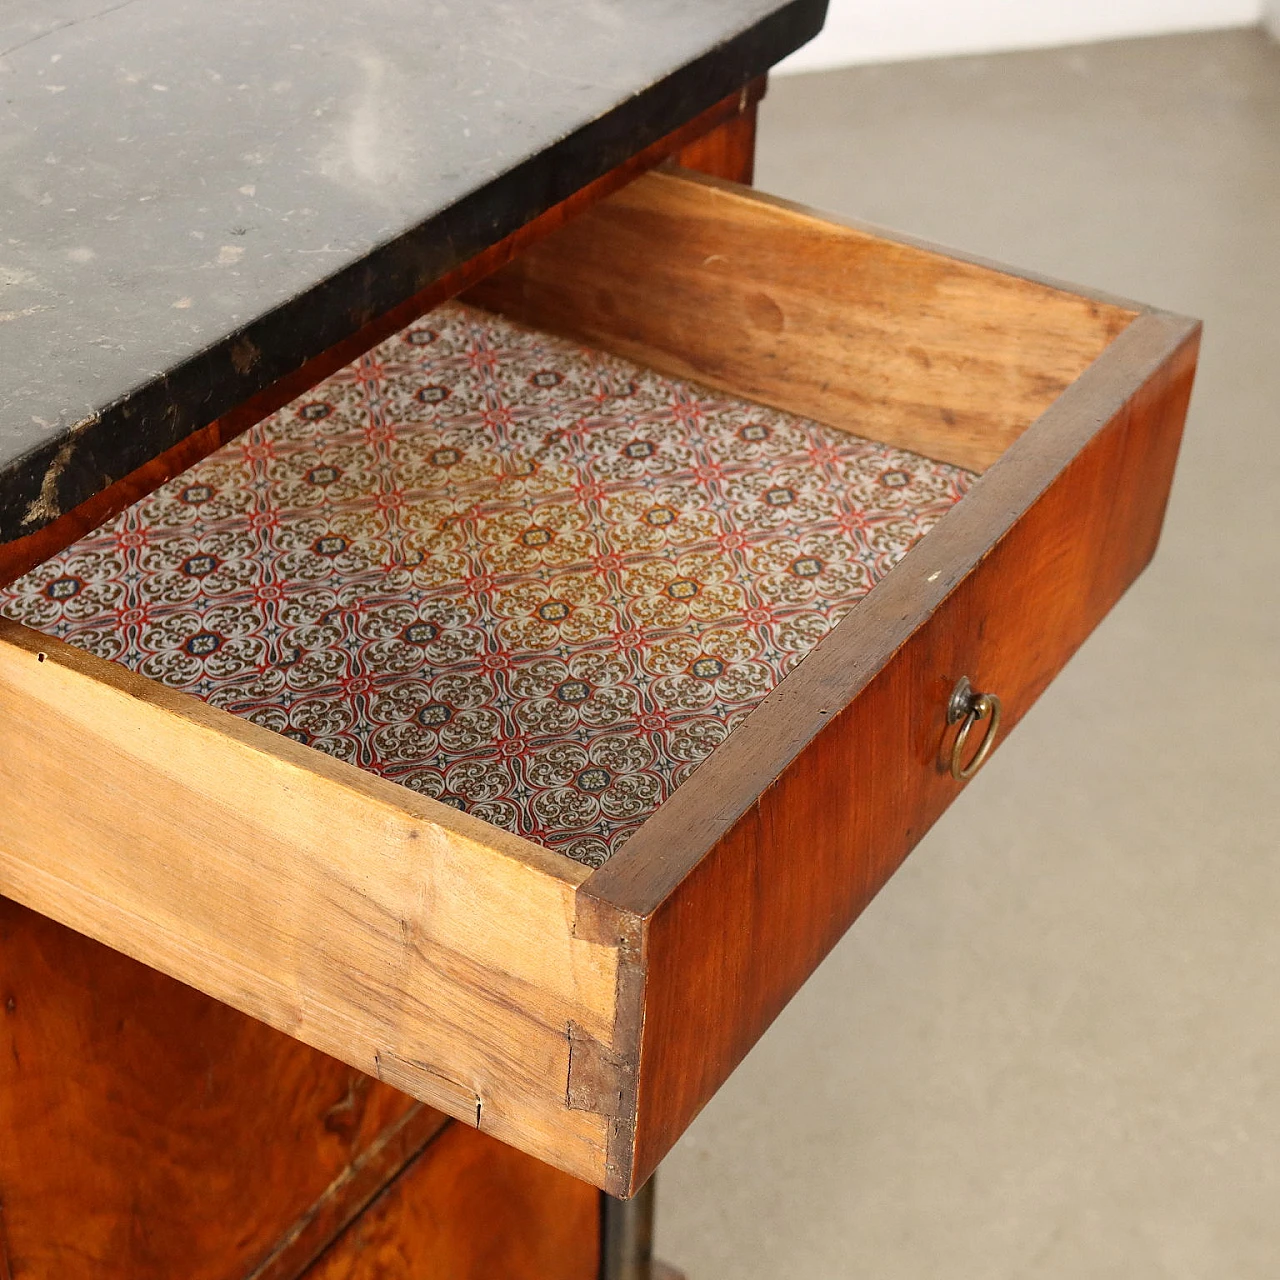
{"points": [[538, 583]]}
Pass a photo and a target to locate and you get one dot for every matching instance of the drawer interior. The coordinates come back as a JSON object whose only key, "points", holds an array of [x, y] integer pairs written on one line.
{"points": [[530, 580]]}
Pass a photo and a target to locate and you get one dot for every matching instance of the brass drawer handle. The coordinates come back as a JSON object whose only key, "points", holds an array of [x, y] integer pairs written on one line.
{"points": [[971, 707]]}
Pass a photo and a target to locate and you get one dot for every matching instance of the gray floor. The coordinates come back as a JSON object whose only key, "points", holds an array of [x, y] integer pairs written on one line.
{"points": [[1051, 1048]]}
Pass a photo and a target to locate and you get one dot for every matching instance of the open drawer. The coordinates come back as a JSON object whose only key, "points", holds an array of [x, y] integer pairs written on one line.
{"points": [[583, 998]]}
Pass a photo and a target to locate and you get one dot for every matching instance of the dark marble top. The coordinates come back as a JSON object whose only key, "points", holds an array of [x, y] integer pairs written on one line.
{"points": [[196, 196]]}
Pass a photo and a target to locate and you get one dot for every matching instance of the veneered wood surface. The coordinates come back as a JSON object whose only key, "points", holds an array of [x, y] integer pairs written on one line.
{"points": [[147, 1131], [771, 301], [22, 554], [419, 945], [470, 1208], [749, 880], [728, 151], [351, 1192]]}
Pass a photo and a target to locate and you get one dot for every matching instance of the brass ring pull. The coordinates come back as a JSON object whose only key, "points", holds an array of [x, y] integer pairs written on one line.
{"points": [[970, 707]]}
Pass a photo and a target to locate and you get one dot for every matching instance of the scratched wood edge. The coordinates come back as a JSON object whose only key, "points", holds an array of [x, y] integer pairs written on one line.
{"points": [[20, 555], [859, 330], [417, 944], [350, 1193], [657, 874], [604, 1080]]}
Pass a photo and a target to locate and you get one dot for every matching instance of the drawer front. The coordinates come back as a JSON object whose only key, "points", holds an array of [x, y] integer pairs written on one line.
{"points": [[729, 945]]}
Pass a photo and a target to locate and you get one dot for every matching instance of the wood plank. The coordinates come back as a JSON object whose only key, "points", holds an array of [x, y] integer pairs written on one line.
{"points": [[22, 554], [768, 300], [147, 1131], [472, 1209], [419, 945], [758, 865]]}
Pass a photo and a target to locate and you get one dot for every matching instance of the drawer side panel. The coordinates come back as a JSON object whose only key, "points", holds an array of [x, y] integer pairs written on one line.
{"points": [[863, 332]]}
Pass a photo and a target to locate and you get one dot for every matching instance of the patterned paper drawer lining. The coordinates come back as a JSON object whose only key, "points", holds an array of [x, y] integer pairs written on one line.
{"points": [[535, 582]]}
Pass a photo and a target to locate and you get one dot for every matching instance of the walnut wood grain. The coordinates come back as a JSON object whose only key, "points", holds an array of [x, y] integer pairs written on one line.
{"points": [[766, 299], [150, 1132], [470, 1208], [22, 554], [753, 871]]}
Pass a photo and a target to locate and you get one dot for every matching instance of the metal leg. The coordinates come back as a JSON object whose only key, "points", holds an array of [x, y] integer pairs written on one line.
{"points": [[626, 1239]]}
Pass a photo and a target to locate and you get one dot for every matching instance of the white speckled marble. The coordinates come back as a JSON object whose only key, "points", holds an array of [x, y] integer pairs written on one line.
{"points": [[172, 171]]}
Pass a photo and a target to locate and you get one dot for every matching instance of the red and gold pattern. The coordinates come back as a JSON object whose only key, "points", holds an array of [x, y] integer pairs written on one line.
{"points": [[535, 582]]}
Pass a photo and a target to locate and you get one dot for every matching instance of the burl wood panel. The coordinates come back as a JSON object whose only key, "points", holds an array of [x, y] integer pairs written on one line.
{"points": [[470, 1208], [347, 1196], [148, 1132], [727, 156], [732, 933]]}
